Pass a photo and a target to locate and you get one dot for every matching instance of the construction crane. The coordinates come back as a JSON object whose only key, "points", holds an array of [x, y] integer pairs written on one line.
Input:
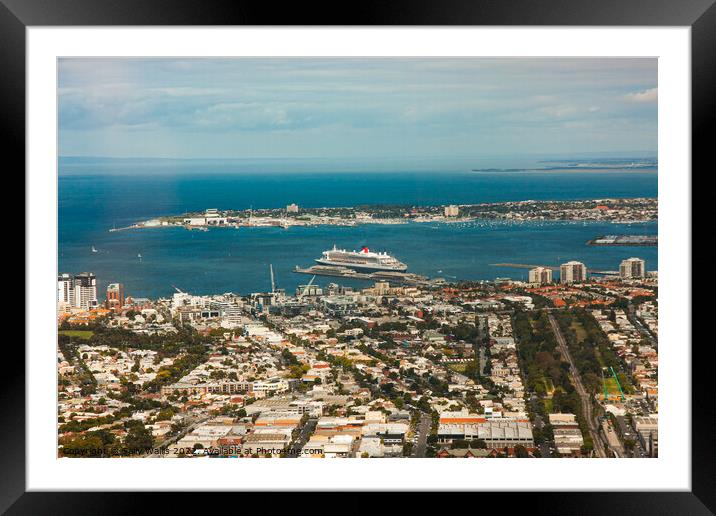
{"points": [[305, 289]]}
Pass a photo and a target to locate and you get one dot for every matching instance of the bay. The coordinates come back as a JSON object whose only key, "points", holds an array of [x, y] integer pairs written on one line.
{"points": [[93, 199]]}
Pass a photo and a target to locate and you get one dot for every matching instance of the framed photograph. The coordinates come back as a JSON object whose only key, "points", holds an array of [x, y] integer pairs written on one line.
{"points": [[419, 234]]}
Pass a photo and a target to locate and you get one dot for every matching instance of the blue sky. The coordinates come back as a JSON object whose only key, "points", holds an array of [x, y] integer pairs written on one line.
{"points": [[355, 108]]}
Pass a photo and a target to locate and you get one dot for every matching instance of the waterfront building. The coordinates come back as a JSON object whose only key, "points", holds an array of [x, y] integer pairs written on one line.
{"points": [[85, 291], [65, 292], [115, 296], [292, 208], [573, 271], [451, 211], [540, 275], [78, 291], [632, 268]]}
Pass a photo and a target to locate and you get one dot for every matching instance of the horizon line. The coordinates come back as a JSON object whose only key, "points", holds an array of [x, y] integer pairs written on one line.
{"points": [[616, 154]]}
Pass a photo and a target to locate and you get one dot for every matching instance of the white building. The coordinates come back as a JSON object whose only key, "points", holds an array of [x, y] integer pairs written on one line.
{"points": [[451, 211], [231, 315], [573, 271], [567, 436], [632, 268], [79, 291], [64, 289], [540, 275]]}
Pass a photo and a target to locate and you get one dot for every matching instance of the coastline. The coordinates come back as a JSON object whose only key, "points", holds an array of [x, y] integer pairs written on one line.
{"points": [[618, 211]]}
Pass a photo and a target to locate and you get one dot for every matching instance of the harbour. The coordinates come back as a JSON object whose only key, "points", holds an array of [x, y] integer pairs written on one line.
{"points": [[226, 259]]}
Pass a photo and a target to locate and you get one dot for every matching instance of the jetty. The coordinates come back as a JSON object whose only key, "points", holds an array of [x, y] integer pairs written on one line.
{"points": [[392, 277]]}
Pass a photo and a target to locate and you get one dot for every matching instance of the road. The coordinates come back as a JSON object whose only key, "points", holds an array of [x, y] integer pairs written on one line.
{"points": [[303, 437], [422, 430], [539, 423], [167, 442], [641, 327], [583, 394]]}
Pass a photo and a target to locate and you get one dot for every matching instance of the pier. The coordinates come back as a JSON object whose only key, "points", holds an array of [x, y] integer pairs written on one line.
{"points": [[392, 277], [625, 240]]}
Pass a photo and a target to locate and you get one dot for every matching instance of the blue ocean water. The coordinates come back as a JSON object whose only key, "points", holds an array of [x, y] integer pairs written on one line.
{"points": [[92, 198]]}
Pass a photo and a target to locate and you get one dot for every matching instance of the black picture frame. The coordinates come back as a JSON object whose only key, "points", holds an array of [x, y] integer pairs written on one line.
{"points": [[700, 15]]}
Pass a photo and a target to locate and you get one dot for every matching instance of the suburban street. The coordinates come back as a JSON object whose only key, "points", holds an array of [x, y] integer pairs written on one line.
{"points": [[539, 423], [583, 394], [195, 423], [641, 327], [422, 431], [303, 437]]}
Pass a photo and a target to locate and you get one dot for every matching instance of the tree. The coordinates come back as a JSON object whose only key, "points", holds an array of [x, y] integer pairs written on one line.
{"points": [[521, 452], [138, 438], [84, 446]]}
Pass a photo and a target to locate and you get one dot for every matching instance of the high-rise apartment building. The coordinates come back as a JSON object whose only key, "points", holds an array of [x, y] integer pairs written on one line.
{"points": [[65, 292], [632, 268], [115, 296], [540, 275], [571, 272], [84, 286]]}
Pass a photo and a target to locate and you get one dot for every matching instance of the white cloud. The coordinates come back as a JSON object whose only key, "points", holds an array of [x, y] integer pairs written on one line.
{"points": [[650, 95]]}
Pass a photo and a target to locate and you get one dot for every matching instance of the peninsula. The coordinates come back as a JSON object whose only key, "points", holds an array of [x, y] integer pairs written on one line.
{"points": [[605, 210]]}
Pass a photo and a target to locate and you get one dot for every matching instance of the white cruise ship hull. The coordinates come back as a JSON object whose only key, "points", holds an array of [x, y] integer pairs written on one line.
{"points": [[363, 266]]}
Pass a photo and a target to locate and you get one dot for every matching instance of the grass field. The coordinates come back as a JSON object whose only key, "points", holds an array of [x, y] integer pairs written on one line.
{"points": [[578, 331], [612, 388], [548, 386], [78, 334]]}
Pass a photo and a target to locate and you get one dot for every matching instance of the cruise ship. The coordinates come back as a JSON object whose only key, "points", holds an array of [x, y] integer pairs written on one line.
{"points": [[363, 260]]}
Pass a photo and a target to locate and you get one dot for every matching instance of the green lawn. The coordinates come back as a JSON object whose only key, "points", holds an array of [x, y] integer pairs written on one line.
{"points": [[549, 386], [612, 388], [80, 334], [579, 331]]}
